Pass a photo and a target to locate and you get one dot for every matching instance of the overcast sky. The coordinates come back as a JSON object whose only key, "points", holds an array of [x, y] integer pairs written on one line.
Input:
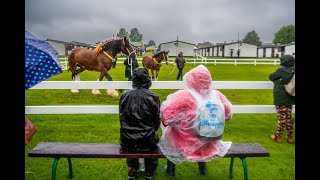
{"points": [[193, 21]]}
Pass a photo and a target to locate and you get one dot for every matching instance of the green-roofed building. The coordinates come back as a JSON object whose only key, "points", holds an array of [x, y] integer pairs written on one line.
{"points": [[138, 46]]}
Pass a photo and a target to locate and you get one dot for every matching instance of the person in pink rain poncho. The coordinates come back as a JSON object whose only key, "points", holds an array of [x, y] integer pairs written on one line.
{"points": [[180, 116]]}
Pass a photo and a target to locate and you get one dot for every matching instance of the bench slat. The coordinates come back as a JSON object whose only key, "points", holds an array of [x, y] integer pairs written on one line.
{"points": [[96, 150]]}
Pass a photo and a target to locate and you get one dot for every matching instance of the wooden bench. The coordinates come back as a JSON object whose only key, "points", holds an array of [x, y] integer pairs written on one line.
{"points": [[59, 150]]}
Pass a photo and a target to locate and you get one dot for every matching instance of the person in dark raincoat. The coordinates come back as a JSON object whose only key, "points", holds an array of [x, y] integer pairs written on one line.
{"points": [[128, 62], [139, 110], [281, 99], [180, 61]]}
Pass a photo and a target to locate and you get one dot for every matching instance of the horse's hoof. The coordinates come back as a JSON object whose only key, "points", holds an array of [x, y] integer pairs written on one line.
{"points": [[74, 90], [113, 93], [95, 91]]}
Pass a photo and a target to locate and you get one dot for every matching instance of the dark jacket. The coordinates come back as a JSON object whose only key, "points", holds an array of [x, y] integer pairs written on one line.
{"points": [[180, 61], [139, 110], [281, 77], [128, 64]]}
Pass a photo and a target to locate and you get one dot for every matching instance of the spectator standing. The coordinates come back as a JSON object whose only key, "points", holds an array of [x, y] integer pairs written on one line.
{"points": [[282, 100]]}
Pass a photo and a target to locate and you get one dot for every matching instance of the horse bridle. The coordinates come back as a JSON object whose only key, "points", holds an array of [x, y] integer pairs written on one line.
{"points": [[157, 61], [134, 51], [129, 54], [130, 60]]}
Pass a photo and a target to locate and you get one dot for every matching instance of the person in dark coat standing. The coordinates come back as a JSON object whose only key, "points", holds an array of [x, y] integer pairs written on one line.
{"points": [[282, 100], [180, 61], [238, 52], [139, 110], [128, 62]]}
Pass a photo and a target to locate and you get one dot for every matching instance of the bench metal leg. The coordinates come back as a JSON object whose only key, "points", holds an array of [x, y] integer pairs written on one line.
{"points": [[231, 168], [245, 171], [244, 164], [54, 168], [70, 168]]}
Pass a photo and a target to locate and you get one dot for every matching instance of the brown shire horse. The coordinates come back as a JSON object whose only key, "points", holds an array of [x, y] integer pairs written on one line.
{"points": [[100, 59], [154, 62]]}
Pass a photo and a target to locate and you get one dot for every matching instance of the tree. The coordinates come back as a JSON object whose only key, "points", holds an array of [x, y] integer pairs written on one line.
{"points": [[135, 35], [122, 33], [151, 43], [252, 38], [285, 35]]}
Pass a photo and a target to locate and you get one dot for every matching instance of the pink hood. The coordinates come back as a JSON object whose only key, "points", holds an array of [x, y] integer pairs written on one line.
{"points": [[198, 79]]}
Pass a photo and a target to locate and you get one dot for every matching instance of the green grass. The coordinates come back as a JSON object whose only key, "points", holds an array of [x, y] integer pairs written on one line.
{"points": [[104, 128]]}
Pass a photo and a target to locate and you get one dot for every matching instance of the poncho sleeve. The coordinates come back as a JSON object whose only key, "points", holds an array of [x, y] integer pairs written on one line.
{"points": [[227, 106]]}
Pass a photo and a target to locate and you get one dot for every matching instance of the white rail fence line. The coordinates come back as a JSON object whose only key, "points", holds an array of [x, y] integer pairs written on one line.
{"points": [[155, 85], [64, 61], [114, 109]]}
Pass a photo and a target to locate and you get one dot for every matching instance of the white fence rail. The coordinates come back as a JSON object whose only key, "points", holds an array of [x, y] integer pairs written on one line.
{"points": [[114, 109], [155, 85], [215, 61]]}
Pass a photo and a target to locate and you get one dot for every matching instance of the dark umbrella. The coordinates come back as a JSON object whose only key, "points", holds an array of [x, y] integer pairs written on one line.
{"points": [[41, 60]]}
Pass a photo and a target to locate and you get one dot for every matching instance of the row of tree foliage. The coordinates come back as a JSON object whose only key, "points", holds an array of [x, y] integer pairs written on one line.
{"points": [[285, 35], [134, 36]]}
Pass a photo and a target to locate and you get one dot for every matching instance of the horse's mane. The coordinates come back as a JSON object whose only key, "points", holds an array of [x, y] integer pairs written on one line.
{"points": [[158, 54], [114, 43]]}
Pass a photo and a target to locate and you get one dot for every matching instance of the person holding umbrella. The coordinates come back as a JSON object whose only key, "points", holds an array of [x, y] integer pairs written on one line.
{"points": [[41, 60], [41, 63]]}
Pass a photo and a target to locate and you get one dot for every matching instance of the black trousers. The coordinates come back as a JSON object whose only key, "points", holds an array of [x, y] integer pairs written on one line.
{"points": [[114, 63], [129, 77], [150, 164], [128, 74], [179, 74]]}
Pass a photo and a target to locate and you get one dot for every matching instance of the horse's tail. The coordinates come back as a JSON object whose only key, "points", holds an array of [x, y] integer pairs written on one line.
{"points": [[72, 64], [69, 62], [70, 58]]}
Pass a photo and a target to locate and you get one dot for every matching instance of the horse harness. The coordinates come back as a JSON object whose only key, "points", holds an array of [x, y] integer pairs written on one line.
{"points": [[154, 59]]}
